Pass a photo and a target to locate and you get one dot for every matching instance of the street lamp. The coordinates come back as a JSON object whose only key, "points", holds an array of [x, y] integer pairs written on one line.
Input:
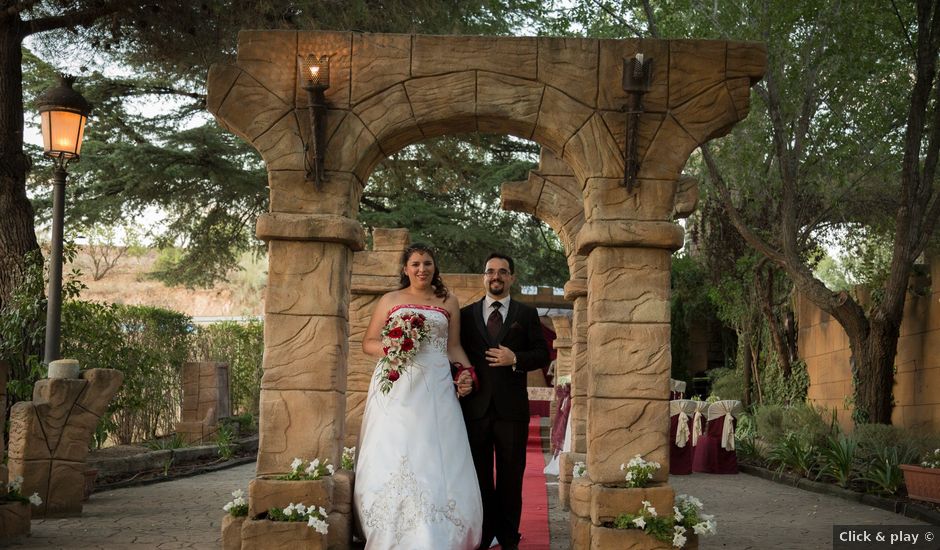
{"points": [[63, 113]]}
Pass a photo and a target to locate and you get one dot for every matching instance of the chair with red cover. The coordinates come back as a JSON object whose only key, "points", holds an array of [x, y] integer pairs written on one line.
{"points": [[715, 452], [681, 451]]}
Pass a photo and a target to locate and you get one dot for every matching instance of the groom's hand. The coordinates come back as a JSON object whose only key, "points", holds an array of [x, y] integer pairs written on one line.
{"points": [[500, 357]]}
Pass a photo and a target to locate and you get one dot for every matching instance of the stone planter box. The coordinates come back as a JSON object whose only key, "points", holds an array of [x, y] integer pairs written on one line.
{"points": [[265, 493], [606, 538], [263, 534], [922, 483], [14, 519], [232, 532]]}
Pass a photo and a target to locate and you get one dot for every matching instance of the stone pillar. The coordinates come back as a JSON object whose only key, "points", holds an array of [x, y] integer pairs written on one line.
{"points": [[306, 337], [575, 291], [628, 351], [50, 436], [375, 272], [205, 400]]}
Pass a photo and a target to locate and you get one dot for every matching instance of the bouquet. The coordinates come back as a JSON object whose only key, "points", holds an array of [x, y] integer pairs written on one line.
{"points": [[400, 339]]}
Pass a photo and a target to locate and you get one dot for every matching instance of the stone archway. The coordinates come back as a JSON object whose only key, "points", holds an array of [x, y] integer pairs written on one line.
{"points": [[388, 91]]}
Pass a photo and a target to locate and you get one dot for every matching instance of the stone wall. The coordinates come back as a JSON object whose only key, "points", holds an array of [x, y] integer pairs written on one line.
{"points": [[824, 346]]}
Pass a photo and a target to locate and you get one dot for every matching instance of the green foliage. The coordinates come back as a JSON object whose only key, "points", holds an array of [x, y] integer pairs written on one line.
{"points": [[241, 346], [785, 390], [689, 305], [795, 453], [166, 443], [874, 437], [837, 459], [225, 441], [23, 322], [804, 421], [727, 383], [883, 471], [149, 345]]}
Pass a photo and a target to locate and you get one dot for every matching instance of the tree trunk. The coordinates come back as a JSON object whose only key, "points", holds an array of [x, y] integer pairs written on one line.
{"points": [[765, 291], [874, 373], [748, 359], [17, 230]]}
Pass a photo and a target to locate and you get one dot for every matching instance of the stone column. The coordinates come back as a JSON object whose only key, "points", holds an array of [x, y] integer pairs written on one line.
{"points": [[303, 388], [4, 375], [576, 292]]}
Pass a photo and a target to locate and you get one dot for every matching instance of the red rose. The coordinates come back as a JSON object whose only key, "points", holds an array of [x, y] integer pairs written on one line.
{"points": [[417, 322], [395, 333], [393, 375], [385, 351], [408, 344]]}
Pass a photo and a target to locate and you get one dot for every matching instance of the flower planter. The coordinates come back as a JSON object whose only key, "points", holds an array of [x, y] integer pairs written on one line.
{"points": [[263, 534], [232, 532], [266, 493], [14, 519], [922, 483], [605, 538]]}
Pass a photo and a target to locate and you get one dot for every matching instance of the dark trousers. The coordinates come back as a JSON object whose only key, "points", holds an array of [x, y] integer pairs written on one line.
{"points": [[502, 499]]}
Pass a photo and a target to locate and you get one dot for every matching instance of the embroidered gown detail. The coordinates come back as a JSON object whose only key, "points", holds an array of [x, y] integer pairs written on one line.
{"points": [[416, 487]]}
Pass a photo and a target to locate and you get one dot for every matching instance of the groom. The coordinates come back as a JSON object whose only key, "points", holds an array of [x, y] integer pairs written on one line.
{"points": [[503, 340]]}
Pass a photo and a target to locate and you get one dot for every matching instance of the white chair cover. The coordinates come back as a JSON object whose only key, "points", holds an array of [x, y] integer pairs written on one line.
{"points": [[729, 409], [677, 385], [701, 407], [683, 408]]}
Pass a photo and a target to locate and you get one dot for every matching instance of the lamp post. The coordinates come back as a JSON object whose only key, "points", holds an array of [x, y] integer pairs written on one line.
{"points": [[63, 113]]}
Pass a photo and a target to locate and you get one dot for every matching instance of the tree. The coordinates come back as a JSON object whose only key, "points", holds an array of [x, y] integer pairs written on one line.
{"points": [[844, 129], [212, 185], [851, 124]]}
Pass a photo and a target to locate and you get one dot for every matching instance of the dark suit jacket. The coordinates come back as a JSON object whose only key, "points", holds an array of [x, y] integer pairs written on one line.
{"points": [[502, 386]]}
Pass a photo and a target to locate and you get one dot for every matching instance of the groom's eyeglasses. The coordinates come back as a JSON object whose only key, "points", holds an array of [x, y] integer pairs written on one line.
{"points": [[501, 272]]}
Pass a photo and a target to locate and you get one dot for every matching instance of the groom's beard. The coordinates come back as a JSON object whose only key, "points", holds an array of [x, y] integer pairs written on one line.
{"points": [[497, 288]]}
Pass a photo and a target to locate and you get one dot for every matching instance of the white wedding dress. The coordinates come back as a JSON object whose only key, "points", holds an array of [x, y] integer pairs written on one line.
{"points": [[416, 487]]}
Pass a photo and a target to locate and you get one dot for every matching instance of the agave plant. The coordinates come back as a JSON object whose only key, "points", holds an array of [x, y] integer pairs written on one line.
{"points": [[794, 453], [837, 459]]}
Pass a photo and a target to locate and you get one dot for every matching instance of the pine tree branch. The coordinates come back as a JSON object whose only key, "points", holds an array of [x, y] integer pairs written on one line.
{"points": [[75, 18]]}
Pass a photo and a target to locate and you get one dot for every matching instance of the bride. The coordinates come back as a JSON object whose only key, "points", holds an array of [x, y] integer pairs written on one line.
{"points": [[416, 486]]}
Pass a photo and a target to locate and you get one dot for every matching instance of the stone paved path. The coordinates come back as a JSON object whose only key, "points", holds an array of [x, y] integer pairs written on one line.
{"points": [[756, 513], [186, 513]]}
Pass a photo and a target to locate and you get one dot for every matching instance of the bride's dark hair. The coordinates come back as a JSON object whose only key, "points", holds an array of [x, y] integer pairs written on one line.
{"points": [[440, 290]]}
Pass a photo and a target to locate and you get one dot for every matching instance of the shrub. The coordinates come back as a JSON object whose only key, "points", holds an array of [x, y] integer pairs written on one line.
{"points": [[241, 346], [794, 453], [727, 383]]}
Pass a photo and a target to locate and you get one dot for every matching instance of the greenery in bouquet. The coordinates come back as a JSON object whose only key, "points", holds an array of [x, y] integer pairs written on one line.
{"points": [[401, 338], [316, 518], [639, 472], [314, 470], [14, 487], [674, 529], [932, 460], [238, 506]]}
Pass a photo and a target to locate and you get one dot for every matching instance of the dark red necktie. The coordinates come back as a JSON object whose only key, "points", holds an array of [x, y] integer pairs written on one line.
{"points": [[494, 323]]}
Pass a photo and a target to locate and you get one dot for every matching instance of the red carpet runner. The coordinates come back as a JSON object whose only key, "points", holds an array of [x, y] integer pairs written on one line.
{"points": [[534, 524]]}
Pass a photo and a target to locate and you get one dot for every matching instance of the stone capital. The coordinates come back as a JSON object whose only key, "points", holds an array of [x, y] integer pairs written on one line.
{"points": [[310, 227], [575, 288], [629, 233]]}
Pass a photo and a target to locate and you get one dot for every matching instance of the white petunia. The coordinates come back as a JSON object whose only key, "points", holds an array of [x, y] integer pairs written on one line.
{"points": [[300, 509], [319, 525], [678, 514], [238, 493], [289, 510], [700, 528], [296, 464], [35, 500], [678, 540], [239, 501], [639, 522], [228, 507], [329, 468]]}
